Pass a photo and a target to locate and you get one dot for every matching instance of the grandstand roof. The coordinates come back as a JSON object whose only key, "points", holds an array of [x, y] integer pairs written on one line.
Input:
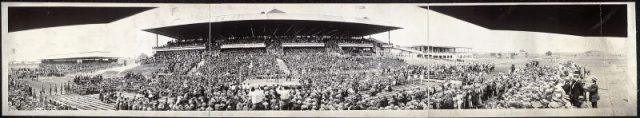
{"points": [[581, 20], [26, 18], [274, 22], [275, 11]]}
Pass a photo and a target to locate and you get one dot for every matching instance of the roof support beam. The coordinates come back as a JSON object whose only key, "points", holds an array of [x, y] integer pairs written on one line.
{"points": [[296, 33], [252, 34], [308, 32], [274, 31], [285, 32], [329, 32], [317, 32]]}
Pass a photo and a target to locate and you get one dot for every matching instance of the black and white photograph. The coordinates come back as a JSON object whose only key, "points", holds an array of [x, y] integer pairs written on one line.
{"points": [[320, 59]]}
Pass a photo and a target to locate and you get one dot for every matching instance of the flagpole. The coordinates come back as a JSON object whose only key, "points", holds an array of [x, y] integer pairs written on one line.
{"points": [[428, 44]]}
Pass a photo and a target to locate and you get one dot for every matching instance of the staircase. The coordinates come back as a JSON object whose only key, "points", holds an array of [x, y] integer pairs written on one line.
{"points": [[283, 66], [194, 69]]}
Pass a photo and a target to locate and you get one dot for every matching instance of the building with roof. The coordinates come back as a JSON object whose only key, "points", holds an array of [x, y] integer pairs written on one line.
{"points": [[275, 32], [82, 57], [443, 52]]}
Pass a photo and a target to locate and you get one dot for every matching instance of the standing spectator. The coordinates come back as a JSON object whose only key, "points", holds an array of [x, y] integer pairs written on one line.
{"points": [[592, 90]]}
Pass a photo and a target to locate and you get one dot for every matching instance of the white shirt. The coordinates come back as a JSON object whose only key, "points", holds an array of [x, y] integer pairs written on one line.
{"points": [[256, 96], [284, 94]]}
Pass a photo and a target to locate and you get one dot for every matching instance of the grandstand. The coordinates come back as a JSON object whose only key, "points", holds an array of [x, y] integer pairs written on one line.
{"points": [[62, 64], [276, 32], [82, 57], [444, 52], [268, 45]]}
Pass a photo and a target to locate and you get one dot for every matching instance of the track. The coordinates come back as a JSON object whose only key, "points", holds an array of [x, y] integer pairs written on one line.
{"points": [[83, 102]]}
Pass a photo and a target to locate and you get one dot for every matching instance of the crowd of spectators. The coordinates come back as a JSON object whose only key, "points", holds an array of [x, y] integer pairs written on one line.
{"points": [[217, 91], [58, 69], [176, 62], [301, 51], [251, 51], [321, 63], [185, 42], [242, 40], [208, 93], [457, 71], [530, 87], [61, 69], [24, 97], [351, 40], [327, 82], [31, 73], [302, 40], [245, 65]]}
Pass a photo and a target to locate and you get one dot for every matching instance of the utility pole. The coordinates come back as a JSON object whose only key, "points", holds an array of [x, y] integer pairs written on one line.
{"points": [[428, 44], [157, 40], [389, 37]]}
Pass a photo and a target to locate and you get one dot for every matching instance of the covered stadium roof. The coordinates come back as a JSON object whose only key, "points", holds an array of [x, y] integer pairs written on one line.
{"points": [[274, 22], [581, 20], [26, 18]]}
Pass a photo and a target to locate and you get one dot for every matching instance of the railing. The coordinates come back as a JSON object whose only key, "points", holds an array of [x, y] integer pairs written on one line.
{"points": [[179, 48], [354, 45], [302, 44], [246, 45]]}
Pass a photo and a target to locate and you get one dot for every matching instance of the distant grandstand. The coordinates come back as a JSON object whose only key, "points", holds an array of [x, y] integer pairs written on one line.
{"points": [[444, 52], [82, 57]]}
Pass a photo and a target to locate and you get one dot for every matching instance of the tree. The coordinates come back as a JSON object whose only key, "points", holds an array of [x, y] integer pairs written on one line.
{"points": [[142, 56], [525, 53], [493, 54], [548, 53]]}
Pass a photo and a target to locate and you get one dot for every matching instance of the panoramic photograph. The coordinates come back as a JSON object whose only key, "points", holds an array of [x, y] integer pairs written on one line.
{"points": [[317, 57]]}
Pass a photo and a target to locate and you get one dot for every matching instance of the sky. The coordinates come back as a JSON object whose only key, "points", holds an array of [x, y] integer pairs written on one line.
{"points": [[126, 38]]}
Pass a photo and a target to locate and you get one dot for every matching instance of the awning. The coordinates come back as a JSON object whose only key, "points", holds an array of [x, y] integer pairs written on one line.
{"points": [[26, 18], [581, 20]]}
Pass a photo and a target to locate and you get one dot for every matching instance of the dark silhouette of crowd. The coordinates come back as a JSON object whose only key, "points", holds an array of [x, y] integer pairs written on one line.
{"points": [[185, 42]]}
